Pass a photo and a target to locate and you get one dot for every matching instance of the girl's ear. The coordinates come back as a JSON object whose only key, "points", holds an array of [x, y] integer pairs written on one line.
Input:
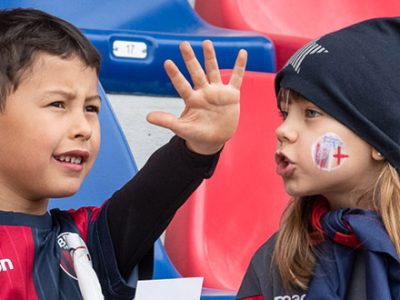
{"points": [[376, 155]]}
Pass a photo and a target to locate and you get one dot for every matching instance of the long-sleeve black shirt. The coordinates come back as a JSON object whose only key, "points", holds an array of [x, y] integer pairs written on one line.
{"points": [[140, 211]]}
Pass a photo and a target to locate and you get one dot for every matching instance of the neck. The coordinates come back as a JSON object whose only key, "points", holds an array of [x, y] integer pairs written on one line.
{"points": [[355, 199], [15, 203]]}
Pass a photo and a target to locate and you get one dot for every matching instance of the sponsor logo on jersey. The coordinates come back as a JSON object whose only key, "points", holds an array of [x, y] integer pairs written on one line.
{"points": [[6, 265], [290, 297], [69, 242]]}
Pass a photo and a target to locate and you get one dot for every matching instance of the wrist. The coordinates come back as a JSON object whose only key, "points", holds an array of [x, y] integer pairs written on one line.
{"points": [[203, 149]]}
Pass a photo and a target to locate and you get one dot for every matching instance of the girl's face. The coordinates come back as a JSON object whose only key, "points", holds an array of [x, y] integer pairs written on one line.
{"points": [[317, 155]]}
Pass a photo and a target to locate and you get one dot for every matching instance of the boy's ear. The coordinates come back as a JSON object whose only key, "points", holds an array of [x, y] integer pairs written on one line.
{"points": [[376, 154]]}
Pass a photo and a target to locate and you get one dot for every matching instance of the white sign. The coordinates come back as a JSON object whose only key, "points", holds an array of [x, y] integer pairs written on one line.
{"points": [[169, 289], [130, 49]]}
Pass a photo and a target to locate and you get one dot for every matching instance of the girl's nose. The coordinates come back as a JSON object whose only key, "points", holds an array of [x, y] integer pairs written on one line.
{"points": [[286, 132]]}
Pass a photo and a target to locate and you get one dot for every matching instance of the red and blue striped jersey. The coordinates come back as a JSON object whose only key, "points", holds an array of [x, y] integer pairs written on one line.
{"points": [[35, 264]]}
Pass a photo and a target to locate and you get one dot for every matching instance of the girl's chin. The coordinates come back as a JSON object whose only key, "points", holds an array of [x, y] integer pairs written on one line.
{"points": [[295, 193]]}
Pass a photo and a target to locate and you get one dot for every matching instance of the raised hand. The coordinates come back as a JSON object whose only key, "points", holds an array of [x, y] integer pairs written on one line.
{"points": [[212, 108]]}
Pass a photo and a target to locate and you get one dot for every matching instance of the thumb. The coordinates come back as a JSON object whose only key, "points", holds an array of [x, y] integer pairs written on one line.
{"points": [[163, 119]]}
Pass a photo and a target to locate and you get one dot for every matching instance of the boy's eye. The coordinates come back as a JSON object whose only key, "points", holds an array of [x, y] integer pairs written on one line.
{"points": [[310, 113], [93, 109], [57, 104]]}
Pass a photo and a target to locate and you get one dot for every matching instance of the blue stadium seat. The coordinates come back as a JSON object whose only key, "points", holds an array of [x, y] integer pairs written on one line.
{"points": [[135, 37], [114, 166]]}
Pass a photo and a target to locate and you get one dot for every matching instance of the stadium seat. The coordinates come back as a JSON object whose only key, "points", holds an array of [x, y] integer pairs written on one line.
{"points": [[230, 215], [291, 24], [114, 166], [135, 37]]}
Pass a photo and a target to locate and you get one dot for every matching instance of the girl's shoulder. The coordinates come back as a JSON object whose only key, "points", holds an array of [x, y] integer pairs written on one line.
{"points": [[265, 251], [264, 277]]}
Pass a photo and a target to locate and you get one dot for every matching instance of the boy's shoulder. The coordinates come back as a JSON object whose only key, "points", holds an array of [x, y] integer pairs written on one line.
{"points": [[76, 219]]}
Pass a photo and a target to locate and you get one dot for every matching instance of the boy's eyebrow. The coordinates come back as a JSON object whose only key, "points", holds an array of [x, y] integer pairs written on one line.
{"points": [[94, 97], [69, 95]]}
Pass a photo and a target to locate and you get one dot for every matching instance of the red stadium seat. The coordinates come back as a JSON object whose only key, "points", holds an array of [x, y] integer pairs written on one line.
{"points": [[217, 231], [291, 24]]}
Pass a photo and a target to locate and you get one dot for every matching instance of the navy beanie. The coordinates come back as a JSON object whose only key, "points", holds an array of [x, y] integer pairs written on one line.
{"points": [[354, 75]]}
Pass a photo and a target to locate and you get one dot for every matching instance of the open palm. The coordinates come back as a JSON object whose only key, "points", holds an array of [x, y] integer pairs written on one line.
{"points": [[212, 108]]}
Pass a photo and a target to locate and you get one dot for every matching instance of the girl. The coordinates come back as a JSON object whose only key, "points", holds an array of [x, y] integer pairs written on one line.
{"points": [[338, 154]]}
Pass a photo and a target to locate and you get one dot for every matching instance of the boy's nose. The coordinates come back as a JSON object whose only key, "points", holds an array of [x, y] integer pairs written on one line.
{"points": [[81, 128]]}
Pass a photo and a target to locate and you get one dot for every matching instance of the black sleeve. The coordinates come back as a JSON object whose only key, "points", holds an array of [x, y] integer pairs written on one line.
{"points": [[140, 211]]}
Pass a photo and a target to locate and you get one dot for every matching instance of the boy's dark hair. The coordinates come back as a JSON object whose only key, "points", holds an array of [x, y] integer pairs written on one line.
{"points": [[26, 32]]}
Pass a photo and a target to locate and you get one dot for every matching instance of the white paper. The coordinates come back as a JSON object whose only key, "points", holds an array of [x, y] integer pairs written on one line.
{"points": [[169, 289]]}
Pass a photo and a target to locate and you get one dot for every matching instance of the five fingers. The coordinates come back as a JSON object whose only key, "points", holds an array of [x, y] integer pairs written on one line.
{"points": [[197, 74], [208, 81]]}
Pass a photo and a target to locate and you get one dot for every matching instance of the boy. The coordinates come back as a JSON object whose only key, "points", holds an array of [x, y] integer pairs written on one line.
{"points": [[49, 139]]}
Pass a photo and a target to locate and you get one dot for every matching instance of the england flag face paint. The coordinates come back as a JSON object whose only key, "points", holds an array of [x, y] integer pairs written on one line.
{"points": [[329, 152]]}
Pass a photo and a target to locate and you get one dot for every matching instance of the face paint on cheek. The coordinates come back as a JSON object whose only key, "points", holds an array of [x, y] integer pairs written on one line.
{"points": [[329, 152]]}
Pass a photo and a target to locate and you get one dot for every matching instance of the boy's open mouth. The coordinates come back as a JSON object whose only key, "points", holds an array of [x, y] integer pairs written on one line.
{"points": [[70, 159], [73, 157]]}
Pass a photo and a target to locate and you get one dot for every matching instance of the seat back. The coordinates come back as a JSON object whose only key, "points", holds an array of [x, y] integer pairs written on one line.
{"points": [[230, 215], [291, 24], [135, 37]]}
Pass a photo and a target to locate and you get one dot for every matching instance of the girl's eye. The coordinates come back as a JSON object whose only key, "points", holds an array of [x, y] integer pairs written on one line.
{"points": [[283, 114], [310, 113], [93, 109]]}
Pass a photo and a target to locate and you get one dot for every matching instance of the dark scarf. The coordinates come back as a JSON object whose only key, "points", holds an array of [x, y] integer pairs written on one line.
{"points": [[345, 232]]}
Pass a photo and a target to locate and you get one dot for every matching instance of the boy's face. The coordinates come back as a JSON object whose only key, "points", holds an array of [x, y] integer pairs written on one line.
{"points": [[49, 133], [318, 155]]}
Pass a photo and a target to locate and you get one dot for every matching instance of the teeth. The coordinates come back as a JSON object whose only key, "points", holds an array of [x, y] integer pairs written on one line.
{"points": [[70, 159], [76, 160]]}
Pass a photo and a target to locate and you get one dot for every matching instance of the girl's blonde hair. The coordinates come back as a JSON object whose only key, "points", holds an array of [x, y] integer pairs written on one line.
{"points": [[294, 253]]}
